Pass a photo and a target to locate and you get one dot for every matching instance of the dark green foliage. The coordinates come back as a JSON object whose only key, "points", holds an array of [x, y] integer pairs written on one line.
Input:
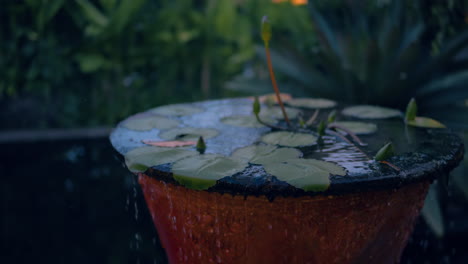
{"points": [[385, 54], [94, 62]]}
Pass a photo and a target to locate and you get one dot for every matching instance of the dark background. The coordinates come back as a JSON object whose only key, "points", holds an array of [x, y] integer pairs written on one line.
{"points": [[70, 70]]}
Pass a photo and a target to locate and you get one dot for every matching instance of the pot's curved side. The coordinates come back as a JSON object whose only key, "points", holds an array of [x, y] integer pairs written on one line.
{"points": [[207, 227]]}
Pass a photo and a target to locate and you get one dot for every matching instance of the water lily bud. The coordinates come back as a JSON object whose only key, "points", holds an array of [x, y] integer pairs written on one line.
{"points": [[201, 146], [321, 128], [411, 110], [256, 106], [385, 152], [266, 30]]}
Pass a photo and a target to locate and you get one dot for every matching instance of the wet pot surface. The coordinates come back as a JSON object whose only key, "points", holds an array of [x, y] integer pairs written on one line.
{"points": [[255, 216]]}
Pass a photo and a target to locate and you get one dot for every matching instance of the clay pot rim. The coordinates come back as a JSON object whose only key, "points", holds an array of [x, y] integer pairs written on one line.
{"points": [[428, 169]]}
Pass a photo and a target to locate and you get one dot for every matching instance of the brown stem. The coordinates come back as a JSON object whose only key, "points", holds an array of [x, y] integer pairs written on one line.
{"points": [[390, 165], [349, 132], [336, 134], [275, 86]]}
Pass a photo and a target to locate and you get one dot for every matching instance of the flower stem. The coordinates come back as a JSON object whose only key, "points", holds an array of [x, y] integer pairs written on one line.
{"points": [[275, 86], [266, 36]]}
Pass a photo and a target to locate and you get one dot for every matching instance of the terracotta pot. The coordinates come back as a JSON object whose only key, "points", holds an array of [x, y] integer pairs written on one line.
{"points": [[365, 216], [209, 227]]}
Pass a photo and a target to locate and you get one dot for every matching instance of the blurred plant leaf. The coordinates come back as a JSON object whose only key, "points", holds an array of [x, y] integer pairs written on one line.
{"points": [[91, 62], [108, 4], [47, 11], [93, 14], [383, 61], [432, 212], [123, 13]]}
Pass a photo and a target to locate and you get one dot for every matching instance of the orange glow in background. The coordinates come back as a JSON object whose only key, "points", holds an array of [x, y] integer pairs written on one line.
{"points": [[294, 2]]}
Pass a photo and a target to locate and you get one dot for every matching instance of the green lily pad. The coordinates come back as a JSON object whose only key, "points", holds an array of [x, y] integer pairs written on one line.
{"points": [[200, 172], [176, 110], [188, 133], [277, 113], [358, 128], [312, 103], [306, 174], [150, 122], [263, 154], [246, 121], [289, 139], [371, 112], [425, 122], [139, 159]]}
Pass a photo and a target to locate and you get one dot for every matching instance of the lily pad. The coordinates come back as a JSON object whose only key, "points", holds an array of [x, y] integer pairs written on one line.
{"points": [[246, 121], [371, 112], [150, 122], [425, 122], [358, 128], [312, 103], [289, 139], [139, 159], [177, 110], [272, 99], [277, 113], [306, 174], [200, 172], [169, 144], [263, 154], [188, 133]]}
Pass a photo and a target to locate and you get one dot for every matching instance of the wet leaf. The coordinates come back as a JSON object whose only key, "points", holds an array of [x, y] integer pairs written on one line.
{"points": [[312, 103], [139, 159], [150, 122], [289, 139], [276, 112], [200, 172], [371, 112], [385, 152], [267, 115], [425, 122], [246, 121], [263, 154], [176, 110], [306, 174], [358, 128], [188, 133], [169, 144]]}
